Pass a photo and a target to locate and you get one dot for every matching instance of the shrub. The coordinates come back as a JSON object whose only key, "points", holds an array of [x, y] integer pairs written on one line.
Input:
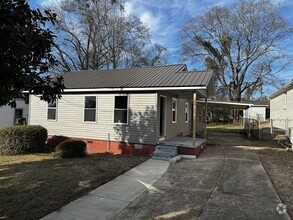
{"points": [[70, 149], [53, 141], [22, 139]]}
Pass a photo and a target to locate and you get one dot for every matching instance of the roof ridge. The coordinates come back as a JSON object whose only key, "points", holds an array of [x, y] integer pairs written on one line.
{"points": [[119, 69]]}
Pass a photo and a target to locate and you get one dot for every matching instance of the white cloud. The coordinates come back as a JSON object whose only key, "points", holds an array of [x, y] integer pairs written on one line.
{"points": [[152, 21], [48, 3]]}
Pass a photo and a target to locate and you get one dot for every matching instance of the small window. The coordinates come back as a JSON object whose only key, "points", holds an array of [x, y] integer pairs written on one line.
{"points": [[18, 116], [285, 100], [186, 112], [90, 106], [52, 110], [174, 110], [121, 109]]}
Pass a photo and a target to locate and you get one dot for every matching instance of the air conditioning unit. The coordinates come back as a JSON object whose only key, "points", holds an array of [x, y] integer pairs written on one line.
{"points": [[18, 121]]}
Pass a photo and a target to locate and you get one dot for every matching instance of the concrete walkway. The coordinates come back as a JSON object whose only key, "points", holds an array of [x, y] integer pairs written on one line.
{"points": [[111, 198], [244, 190], [227, 181]]}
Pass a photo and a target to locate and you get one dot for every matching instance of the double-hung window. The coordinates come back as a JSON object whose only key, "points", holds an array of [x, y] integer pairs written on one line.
{"points": [[52, 110], [90, 108], [186, 112], [121, 109], [174, 110]]}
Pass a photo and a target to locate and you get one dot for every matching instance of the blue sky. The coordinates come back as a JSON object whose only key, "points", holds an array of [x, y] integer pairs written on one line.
{"points": [[166, 17]]}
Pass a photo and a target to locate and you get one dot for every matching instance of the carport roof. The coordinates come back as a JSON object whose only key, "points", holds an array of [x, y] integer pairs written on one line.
{"points": [[226, 104]]}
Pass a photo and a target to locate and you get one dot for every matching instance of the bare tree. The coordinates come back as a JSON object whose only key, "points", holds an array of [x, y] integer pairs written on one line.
{"points": [[241, 43], [96, 34]]}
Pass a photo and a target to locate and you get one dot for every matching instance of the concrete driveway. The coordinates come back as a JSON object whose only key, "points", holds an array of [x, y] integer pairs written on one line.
{"points": [[227, 181]]}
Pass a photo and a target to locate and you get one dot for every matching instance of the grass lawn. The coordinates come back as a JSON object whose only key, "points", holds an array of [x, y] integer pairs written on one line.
{"points": [[278, 163], [227, 128], [34, 185]]}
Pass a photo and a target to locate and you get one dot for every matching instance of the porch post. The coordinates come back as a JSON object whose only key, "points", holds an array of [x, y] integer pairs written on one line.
{"points": [[205, 118], [194, 119]]}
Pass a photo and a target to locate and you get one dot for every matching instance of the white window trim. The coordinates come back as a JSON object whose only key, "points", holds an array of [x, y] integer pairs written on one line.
{"points": [[176, 109], [186, 112], [90, 122], [52, 108], [128, 102], [285, 101]]}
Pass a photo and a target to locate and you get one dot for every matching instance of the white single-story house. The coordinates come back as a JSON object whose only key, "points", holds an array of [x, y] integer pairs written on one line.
{"points": [[14, 116], [281, 107], [127, 110]]}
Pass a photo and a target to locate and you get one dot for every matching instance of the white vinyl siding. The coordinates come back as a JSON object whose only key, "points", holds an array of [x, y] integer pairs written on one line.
{"points": [[285, 101], [279, 113], [141, 127], [7, 114]]}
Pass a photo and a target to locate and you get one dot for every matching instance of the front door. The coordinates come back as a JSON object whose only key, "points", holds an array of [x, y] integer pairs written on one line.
{"points": [[162, 116]]}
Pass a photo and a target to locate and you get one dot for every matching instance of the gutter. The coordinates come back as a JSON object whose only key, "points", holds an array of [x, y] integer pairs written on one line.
{"points": [[136, 89]]}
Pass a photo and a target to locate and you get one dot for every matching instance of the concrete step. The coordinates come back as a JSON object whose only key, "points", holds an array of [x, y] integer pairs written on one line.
{"points": [[165, 152]]}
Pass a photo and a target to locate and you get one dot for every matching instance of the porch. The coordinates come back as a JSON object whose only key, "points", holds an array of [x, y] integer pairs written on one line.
{"points": [[185, 145]]}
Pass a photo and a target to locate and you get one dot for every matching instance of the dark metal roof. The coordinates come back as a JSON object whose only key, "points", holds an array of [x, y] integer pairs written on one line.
{"points": [[282, 90], [138, 77]]}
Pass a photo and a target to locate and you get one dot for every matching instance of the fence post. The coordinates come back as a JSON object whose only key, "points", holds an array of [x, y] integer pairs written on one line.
{"points": [[272, 126], [249, 135], [259, 129]]}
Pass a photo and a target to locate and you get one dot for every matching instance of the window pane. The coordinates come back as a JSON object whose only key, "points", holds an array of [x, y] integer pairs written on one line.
{"points": [[173, 115], [52, 114], [90, 102], [120, 116], [52, 104], [90, 115], [173, 105], [18, 113], [121, 102]]}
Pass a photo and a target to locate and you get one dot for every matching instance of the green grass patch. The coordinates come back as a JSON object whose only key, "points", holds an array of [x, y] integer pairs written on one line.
{"points": [[226, 128]]}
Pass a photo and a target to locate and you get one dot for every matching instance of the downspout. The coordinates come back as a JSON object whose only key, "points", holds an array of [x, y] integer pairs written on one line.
{"points": [[194, 119]]}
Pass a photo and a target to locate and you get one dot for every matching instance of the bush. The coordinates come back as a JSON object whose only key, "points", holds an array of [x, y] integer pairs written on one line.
{"points": [[53, 141], [22, 139], [70, 149]]}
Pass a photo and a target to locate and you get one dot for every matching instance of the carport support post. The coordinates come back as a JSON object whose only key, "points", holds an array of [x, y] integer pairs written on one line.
{"points": [[194, 119], [205, 118]]}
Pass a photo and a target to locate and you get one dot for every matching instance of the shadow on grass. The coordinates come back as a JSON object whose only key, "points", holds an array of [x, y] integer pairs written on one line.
{"points": [[30, 190]]}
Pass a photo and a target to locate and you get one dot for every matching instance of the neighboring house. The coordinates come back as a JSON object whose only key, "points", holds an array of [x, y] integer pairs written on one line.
{"points": [[281, 107], [259, 110], [126, 109], [14, 116]]}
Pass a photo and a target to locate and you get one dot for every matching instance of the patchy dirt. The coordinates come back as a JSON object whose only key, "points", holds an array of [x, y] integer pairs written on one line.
{"points": [[278, 163], [32, 186]]}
